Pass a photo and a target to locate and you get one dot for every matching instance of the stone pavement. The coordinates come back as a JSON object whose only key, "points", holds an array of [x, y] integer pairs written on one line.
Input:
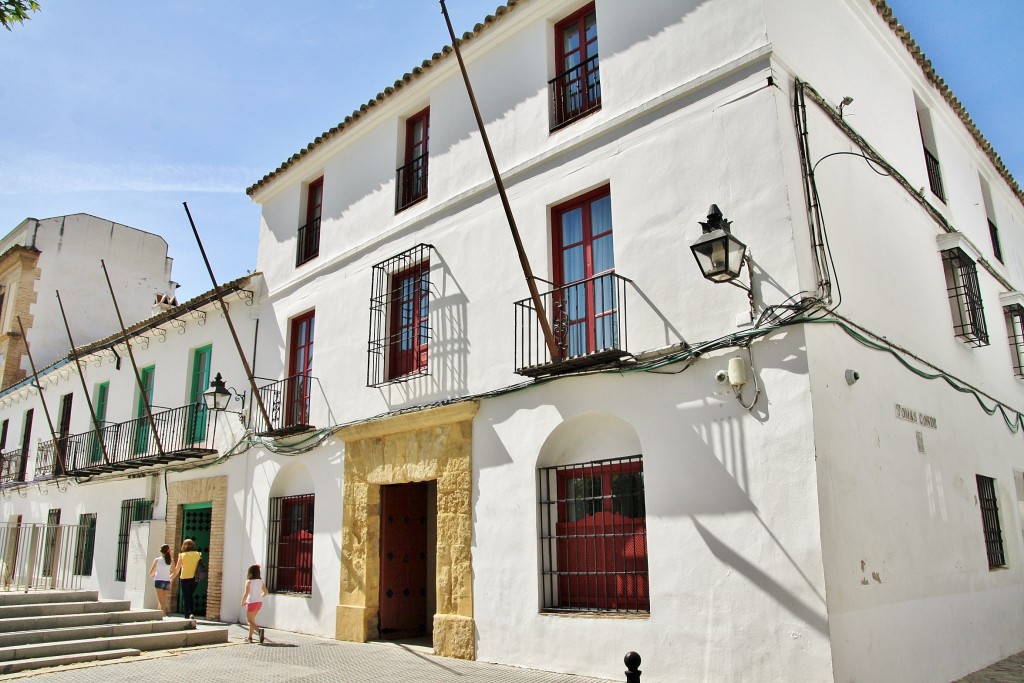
{"points": [[294, 658], [1009, 670]]}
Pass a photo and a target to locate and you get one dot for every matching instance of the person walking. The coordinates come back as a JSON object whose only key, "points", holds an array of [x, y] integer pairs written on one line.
{"points": [[252, 598], [185, 570], [160, 570]]}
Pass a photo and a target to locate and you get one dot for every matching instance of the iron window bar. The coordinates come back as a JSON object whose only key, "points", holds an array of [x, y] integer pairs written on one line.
{"points": [[593, 537], [397, 318], [290, 545], [934, 174], [85, 547], [132, 510], [575, 93], [990, 521], [1014, 315], [412, 182], [965, 297], [288, 403], [308, 242], [41, 556]]}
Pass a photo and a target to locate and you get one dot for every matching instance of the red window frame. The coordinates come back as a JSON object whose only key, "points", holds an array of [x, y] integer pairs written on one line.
{"points": [[575, 60], [412, 176], [410, 321], [309, 233], [300, 365], [601, 537], [290, 568], [581, 310]]}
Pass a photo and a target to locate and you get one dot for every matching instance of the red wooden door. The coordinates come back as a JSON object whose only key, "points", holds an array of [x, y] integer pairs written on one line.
{"points": [[403, 560]]}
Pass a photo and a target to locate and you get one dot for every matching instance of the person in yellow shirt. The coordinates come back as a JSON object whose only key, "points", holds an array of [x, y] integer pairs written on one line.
{"points": [[185, 570]]}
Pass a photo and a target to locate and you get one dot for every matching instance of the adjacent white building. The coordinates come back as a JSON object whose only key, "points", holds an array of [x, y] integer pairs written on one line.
{"points": [[815, 479]]}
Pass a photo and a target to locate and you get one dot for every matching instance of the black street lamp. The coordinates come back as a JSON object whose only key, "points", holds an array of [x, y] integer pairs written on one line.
{"points": [[719, 254], [218, 396]]}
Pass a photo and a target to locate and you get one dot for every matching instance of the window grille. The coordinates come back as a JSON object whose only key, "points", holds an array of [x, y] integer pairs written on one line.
{"points": [[399, 317], [85, 546], [964, 297], [593, 537], [132, 510], [50, 539], [990, 521], [1014, 314], [290, 546], [934, 174]]}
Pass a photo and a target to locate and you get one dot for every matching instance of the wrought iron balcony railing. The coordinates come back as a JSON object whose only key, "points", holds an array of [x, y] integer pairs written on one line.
{"points": [[12, 466], [588, 320], [308, 242], [412, 183], [183, 433], [287, 402], [575, 93]]}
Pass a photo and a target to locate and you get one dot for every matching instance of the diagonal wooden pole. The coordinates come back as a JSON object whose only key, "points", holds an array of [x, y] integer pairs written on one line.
{"points": [[97, 429], [57, 446], [135, 368], [227, 316], [524, 261]]}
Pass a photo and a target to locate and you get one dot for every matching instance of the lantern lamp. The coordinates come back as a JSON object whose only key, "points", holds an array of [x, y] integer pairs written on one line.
{"points": [[719, 254]]}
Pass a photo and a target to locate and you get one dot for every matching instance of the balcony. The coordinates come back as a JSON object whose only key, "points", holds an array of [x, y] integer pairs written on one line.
{"points": [[412, 183], [588, 321], [575, 93], [287, 403], [12, 466], [184, 433], [308, 242]]}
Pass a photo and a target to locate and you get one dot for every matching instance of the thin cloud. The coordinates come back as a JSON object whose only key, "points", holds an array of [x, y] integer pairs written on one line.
{"points": [[41, 175]]}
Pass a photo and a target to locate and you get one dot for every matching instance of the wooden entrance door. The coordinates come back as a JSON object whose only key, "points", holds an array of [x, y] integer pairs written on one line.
{"points": [[403, 560]]}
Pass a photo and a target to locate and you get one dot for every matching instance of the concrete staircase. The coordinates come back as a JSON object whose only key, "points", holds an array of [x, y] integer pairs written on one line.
{"points": [[49, 628]]}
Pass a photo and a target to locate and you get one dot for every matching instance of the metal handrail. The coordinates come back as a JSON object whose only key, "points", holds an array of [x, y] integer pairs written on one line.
{"points": [[12, 466], [288, 404], [43, 556], [575, 92], [307, 245], [412, 182]]}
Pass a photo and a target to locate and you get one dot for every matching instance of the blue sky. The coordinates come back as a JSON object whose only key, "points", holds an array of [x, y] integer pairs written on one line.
{"points": [[125, 109]]}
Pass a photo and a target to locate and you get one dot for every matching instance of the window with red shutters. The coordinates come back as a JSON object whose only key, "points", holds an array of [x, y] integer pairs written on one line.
{"points": [[594, 537], [290, 560], [300, 368], [412, 176], [576, 89], [308, 242]]}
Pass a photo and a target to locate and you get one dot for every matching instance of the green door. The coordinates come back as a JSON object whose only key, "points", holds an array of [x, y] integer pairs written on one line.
{"points": [[195, 524], [99, 403], [200, 382], [146, 397]]}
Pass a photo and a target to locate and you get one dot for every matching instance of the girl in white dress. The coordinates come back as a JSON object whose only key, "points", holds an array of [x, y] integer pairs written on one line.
{"points": [[160, 570]]}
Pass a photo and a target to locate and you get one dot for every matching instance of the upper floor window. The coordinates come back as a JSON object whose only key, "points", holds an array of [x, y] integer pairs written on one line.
{"points": [[585, 315], [964, 297], [993, 230], [308, 242], [400, 317], [412, 176], [1014, 315], [593, 533], [300, 368], [576, 88], [931, 156]]}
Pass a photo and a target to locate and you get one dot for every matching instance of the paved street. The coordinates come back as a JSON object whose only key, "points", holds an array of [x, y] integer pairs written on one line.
{"points": [[294, 658]]}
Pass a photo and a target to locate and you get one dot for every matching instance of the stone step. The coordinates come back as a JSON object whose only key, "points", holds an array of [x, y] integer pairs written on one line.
{"points": [[142, 641], [52, 635], [47, 597], [53, 621], [59, 660], [44, 609]]}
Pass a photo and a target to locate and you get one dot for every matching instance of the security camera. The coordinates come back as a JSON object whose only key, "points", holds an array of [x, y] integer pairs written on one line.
{"points": [[722, 377]]}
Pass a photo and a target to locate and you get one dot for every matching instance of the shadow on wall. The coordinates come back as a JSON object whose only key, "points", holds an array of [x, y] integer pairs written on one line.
{"points": [[448, 348]]}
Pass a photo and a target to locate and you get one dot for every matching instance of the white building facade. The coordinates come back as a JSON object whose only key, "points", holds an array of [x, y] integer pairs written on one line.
{"points": [[816, 479]]}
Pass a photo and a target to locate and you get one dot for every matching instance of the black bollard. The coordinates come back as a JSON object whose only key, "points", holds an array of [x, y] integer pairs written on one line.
{"points": [[632, 661]]}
